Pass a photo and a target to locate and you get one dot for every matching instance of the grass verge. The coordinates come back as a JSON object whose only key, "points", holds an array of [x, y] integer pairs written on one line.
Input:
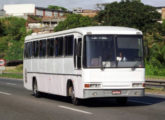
{"points": [[15, 72], [12, 75]]}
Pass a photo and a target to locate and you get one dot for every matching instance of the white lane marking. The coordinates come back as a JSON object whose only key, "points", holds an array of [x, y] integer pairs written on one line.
{"points": [[77, 110], [5, 93], [10, 84], [140, 102]]}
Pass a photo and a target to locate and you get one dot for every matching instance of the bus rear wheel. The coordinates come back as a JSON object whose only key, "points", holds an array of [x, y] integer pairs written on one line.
{"points": [[36, 93], [74, 100]]}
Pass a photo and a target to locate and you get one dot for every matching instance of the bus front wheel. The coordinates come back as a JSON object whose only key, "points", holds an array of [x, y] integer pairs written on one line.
{"points": [[75, 100]]}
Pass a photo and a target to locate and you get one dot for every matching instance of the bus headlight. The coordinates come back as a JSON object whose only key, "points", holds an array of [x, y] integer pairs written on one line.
{"points": [[138, 85], [92, 85]]}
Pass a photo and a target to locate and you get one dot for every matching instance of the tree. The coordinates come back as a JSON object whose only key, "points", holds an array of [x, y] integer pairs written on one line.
{"points": [[73, 21], [129, 13], [1, 29], [15, 27], [3, 45], [12, 39]]}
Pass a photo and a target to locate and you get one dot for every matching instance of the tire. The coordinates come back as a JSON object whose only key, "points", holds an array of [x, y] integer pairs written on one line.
{"points": [[36, 93], [122, 100], [74, 100]]}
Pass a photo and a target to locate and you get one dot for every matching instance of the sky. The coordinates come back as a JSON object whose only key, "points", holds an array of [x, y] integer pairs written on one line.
{"points": [[70, 4]]}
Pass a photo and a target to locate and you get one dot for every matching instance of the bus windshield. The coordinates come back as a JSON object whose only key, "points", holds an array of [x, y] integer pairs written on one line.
{"points": [[113, 51]]}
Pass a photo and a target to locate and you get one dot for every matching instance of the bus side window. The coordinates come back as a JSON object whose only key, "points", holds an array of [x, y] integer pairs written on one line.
{"points": [[42, 44], [59, 46], [29, 48], [50, 47], [69, 45], [79, 46], [36, 51]]}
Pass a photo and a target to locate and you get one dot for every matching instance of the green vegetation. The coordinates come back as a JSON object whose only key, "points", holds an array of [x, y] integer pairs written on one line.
{"points": [[73, 21], [12, 34], [36, 18], [12, 75], [14, 69], [130, 14], [13, 72], [155, 52]]}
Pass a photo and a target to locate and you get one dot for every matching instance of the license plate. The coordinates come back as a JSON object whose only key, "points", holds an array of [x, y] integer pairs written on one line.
{"points": [[116, 92]]}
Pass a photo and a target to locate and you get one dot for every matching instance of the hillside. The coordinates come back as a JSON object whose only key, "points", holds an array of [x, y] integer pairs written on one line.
{"points": [[12, 34]]}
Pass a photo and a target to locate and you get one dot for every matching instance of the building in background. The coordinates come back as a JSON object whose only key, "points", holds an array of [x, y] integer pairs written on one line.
{"points": [[163, 13], [161, 10], [39, 19], [45, 19], [85, 12], [2, 13], [19, 10]]}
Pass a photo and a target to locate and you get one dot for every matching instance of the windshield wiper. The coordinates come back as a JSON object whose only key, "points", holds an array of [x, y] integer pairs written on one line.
{"points": [[103, 66]]}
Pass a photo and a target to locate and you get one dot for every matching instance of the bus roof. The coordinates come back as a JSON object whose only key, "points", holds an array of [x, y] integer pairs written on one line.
{"points": [[91, 30]]}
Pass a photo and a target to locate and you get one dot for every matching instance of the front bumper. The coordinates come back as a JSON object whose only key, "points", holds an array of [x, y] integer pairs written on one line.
{"points": [[96, 93]]}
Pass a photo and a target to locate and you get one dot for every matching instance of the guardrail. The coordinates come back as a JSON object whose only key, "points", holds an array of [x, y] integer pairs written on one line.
{"points": [[155, 83]]}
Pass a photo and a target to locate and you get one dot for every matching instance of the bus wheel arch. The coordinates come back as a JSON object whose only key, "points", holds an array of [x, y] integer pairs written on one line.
{"points": [[69, 84]]}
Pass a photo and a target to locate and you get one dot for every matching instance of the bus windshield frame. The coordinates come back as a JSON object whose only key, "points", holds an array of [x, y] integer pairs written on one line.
{"points": [[113, 51]]}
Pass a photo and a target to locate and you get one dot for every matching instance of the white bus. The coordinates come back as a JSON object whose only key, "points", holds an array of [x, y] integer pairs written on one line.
{"points": [[86, 62]]}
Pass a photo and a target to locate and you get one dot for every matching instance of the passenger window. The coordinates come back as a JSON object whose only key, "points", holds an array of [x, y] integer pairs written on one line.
{"points": [[50, 47], [58, 46], [35, 48], [42, 44], [29, 49], [69, 45]]}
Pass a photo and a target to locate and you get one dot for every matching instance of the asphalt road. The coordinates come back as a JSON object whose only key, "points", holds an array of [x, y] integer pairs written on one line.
{"points": [[17, 103]]}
